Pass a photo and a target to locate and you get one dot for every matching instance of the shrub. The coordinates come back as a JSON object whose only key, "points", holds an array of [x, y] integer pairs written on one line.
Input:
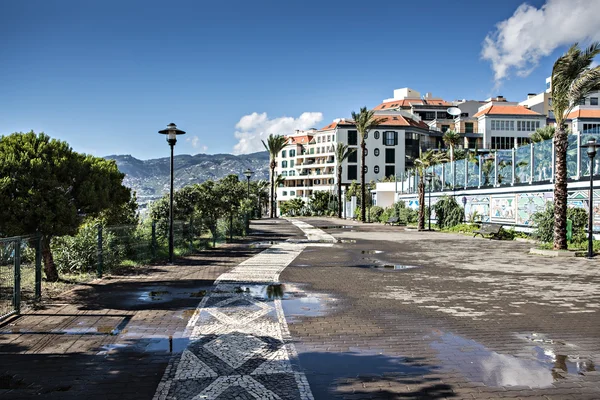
{"points": [[448, 212], [409, 215], [357, 214], [386, 214], [375, 212], [544, 222]]}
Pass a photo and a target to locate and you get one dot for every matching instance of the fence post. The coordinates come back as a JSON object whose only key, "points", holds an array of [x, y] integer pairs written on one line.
{"points": [[514, 167], [153, 243], [467, 171], [496, 169], [17, 276], [38, 267], [99, 253], [480, 169], [532, 161]]}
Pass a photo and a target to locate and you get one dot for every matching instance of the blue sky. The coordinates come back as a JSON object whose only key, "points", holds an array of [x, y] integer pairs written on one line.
{"points": [[106, 76]]}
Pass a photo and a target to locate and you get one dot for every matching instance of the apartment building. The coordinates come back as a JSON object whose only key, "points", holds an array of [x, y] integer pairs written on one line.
{"points": [[308, 163], [505, 125]]}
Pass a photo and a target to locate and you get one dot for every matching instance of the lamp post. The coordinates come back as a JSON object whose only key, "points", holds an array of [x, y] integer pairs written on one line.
{"points": [[248, 173], [591, 147], [171, 133], [464, 201], [428, 178]]}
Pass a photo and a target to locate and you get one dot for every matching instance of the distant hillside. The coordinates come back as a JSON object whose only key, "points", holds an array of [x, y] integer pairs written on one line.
{"points": [[150, 178]]}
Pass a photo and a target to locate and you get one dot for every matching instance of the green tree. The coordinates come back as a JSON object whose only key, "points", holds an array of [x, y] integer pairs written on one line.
{"points": [[320, 201], [572, 80], [275, 143], [364, 121], [342, 152], [47, 187], [426, 160]]}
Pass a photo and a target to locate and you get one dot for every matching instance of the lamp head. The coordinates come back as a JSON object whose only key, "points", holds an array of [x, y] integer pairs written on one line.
{"points": [[464, 200], [591, 148], [171, 133], [248, 173]]}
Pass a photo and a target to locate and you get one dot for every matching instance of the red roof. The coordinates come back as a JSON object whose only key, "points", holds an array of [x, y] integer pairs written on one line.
{"points": [[593, 113], [506, 110], [299, 139], [407, 103], [388, 120]]}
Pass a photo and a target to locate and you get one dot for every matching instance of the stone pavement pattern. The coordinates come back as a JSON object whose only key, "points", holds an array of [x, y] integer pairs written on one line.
{"points": [[240, 345]]}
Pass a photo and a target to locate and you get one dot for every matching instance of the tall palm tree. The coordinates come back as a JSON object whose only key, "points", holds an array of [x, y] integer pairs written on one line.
{"points": [[572, 80], [452, 139], [262, 188], [279, 181], [426, 160], [275, 143], [541, 134], [342, 152], [364, 121]]}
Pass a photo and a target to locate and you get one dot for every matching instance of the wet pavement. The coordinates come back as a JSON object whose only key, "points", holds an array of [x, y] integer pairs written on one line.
{"points": [[383, 313]]}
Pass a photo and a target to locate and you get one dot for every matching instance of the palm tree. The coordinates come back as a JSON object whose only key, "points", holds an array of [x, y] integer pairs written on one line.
{"points": [[275, 143], [541, 134], [426, 160], [342, 152], [452, 139], [261, 187], [279, 181], [572, 80], [364, 122]]}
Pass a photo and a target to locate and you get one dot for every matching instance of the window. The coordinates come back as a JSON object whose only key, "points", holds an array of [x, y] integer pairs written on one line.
{"points": [[351, 172], [502, 143], [376, 152], [366, 135], [284, 173], [291, 163], [318, 150], [329, 138], [390, 170], [376, 135], [550, 102], [468, 127], [442, 115], [366, 151], [518, 125], [333, 138], [352, 138], [591, 128], [582, 101], [512, 125], [429, 115], [284, 193], [411, 148], [593, 101], [292, 173], [390, 138], [537, 124], [292, 153], [283, 154], [318, 139], [376, 169], [353, 156], [390, 156], [366, 168], [292, 193], [284, 164], [522, 141], [330, 181], [445, 128]]}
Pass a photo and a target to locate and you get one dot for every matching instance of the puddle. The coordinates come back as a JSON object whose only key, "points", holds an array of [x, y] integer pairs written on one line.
{"points": [[393, 267], [372, 251], [264, 292], [163, 344], [495, 369], [11, 382], [325, 370], [335, 227], [162, 295], [154, 295], [345, 241]]}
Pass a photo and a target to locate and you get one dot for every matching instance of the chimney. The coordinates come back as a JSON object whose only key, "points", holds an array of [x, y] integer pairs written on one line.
{"points": [[428, 95]]}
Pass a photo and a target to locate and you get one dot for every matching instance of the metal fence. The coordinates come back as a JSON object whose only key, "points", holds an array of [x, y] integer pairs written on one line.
{"points": [[20, 273]]}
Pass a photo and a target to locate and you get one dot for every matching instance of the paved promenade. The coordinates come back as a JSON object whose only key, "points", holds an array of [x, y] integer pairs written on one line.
{"points": [[325, 309]]}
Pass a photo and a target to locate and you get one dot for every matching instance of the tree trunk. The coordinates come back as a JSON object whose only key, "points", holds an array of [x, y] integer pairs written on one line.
{"points": [[339, 190], [560, 190], [49, 266], [272, 213], [421, 189], [363, 196]]}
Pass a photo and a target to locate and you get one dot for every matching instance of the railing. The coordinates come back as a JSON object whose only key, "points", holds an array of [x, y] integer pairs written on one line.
{"points": [[528, 164]]}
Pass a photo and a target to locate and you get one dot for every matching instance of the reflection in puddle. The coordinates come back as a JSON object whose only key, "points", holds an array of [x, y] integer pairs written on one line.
{"points": [[336, 227], [345, 241], [265, 292], [262, 245], [326, 370], [162, 295], [393, 267], [495, 369], [372, 251]]}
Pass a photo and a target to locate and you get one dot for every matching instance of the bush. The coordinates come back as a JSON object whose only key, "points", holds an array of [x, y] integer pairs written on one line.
{"points": [[386, 214], [375, 212], [447, 211], [409, 215], [544, 222], [357, 214], [462, 228]]}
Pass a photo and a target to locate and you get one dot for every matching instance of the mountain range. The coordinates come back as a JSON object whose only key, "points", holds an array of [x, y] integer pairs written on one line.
{"points": [[150, 178]]}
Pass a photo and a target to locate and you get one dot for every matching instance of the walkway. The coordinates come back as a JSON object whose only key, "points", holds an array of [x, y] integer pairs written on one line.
{"points": [[240, 343]]}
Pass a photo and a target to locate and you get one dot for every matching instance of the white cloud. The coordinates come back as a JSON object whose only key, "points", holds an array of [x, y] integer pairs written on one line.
{"points": [[253, 128], [530, 33]]}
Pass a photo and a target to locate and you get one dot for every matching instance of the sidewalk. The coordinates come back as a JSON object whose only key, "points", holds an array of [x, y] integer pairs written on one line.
{"points": [[113, 338]]}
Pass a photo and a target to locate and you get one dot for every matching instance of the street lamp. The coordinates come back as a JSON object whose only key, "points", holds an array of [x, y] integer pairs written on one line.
{"points": [[248, 173], [591, 146], [428, 178], [171, 133], [464, 201]]}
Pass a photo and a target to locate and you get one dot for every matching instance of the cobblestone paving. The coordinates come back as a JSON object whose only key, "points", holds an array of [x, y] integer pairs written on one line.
{"points": [[429, 315], [240, 345]]}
